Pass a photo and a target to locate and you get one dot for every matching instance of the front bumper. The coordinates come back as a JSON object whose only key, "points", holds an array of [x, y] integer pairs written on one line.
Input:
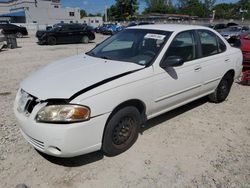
{"points": [[62, 140]]}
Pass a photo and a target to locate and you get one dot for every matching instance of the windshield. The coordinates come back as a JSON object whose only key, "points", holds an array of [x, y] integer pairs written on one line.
{"points": [[140, 46]]}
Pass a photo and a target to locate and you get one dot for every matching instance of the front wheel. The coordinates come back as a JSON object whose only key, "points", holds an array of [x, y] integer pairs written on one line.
{"points": [[222, 90], [19, 35], [51, 40], [121, 131], [85, 39]]}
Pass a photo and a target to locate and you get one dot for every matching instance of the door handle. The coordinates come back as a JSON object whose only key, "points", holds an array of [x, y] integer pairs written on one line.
{"points": [[227, 60], [196, 69], [70, 33]]}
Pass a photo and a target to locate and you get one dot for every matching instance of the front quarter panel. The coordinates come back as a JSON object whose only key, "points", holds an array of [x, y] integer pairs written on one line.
{"points": [[105, 98]]}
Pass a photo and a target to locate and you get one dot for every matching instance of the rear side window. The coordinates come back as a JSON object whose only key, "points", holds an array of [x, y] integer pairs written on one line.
{"points": [[184, 46], [222, 46], [209, 45]]}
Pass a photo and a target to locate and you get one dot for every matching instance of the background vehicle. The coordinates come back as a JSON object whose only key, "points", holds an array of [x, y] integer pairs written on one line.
{"points": [[66, 33], [245, 47], [232, 32], [3, 41], [100, 99], [14, 29], [111, 29], [131, 24]]}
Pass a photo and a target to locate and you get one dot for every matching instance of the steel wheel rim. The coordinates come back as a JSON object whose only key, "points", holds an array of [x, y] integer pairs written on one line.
{"points": [[123, 130], [224, 89]]}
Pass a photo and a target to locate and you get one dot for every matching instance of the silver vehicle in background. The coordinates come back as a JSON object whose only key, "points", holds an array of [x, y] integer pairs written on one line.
{"points": [[234, 31], [3, 40]]}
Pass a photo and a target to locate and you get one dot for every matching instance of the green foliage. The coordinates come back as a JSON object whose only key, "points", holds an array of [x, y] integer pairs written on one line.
{"points": [[159, 6], [123, 10], [83, 13], [233, 10], [94, 15], [191, 7], [224, 11]]}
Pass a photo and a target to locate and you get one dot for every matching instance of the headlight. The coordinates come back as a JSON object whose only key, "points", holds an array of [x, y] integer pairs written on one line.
{"points": [[63, 114]]}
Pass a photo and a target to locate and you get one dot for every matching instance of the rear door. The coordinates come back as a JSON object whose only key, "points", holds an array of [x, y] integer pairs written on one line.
{"points": [[214, 59]]}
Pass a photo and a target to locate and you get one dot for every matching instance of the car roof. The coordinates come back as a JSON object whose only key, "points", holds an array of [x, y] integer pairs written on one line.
{"points": [[169, 27]]}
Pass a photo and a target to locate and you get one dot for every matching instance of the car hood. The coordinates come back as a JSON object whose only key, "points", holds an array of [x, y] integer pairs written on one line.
{"points": [[63, 79]]}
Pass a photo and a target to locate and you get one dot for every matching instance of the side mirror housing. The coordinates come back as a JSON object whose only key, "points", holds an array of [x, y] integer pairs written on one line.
{"points": [[171, 61]]}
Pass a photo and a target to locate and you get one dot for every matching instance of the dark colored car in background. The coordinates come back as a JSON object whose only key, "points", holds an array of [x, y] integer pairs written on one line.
{"points": [[13, 29], [66, 33]]}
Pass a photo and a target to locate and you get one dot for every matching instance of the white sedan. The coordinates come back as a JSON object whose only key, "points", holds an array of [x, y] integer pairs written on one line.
{"points": [[100, 99]]}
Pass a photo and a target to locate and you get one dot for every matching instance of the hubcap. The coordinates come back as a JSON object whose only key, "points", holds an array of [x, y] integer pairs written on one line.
{"points": [[122, 130]]}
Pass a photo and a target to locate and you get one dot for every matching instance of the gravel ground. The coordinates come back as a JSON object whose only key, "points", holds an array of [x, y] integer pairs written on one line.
{"points": [[198, 145]]}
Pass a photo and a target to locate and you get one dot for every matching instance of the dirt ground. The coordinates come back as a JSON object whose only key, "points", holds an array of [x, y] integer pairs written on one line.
{"points": [[198, 145]]}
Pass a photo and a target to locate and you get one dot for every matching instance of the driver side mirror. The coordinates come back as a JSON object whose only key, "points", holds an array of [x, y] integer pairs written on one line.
{"points": [[172, 61]]}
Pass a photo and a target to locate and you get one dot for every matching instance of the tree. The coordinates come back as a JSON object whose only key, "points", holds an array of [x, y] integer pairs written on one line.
{"points": [[94, 15], [207, 7], [244, 8], [224, 11], [123, 10], [191, 7], [159, 6], [83, 13]]}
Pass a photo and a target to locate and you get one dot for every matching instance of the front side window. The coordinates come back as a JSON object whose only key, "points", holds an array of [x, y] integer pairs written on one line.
{"points": [[184, 46], [140, 46], [209, 44]]}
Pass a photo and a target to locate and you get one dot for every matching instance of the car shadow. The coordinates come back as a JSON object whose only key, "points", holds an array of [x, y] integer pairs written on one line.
{"points": [[60, 44], [74, 161], [173, 113], [98, 155]]}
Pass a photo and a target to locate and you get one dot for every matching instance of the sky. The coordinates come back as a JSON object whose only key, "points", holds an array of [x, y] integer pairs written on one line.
{"points": [[98, 6]]}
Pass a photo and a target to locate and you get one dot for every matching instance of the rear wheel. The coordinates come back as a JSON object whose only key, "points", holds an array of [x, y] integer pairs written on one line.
{"points": [[85, 39], [121, 131], [51, 40], [223, 89], [19, 35]]}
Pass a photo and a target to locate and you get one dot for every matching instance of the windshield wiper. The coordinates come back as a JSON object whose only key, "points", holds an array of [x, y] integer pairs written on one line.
{"points": [[104, 57], [90, 53]]}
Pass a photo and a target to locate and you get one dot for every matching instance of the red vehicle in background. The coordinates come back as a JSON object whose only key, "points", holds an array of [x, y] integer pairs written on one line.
{"points": [[245, 47]]}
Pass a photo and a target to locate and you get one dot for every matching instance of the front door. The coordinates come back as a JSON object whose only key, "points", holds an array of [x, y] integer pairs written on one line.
{"points": [[177, 85]]}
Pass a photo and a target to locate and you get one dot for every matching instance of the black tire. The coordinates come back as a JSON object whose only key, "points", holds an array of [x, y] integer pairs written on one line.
{"points": [[121, 131], [222, 90], [85, 39], [51, 40], [19, 35]]}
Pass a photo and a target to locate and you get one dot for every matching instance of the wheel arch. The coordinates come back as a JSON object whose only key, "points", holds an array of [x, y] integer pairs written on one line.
{"points": [[138, 104], [231, 72]]}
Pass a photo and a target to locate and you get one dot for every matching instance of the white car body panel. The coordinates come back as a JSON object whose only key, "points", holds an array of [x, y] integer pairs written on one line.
{"points": [[160, 90], [69, 76]]}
